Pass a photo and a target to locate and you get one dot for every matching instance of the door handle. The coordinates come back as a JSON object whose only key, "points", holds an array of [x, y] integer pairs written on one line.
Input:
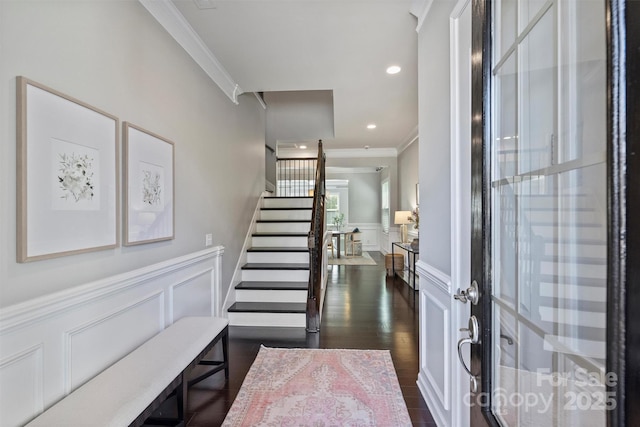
{"points": [[474, 338], [470, 294]]}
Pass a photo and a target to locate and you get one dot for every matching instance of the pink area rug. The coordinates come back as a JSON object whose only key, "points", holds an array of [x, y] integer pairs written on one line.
{"points": [[304, 387]]}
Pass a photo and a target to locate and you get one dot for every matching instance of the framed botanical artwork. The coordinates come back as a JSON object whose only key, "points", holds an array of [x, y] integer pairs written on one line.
{"points": [[67, 175], [149, 189]]}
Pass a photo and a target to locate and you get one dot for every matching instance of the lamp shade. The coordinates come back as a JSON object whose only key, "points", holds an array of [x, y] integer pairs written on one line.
{"points": [[402, 217]]}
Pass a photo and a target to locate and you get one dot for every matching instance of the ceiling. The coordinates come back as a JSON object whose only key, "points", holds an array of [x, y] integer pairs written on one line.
{"points": [[343, 46]]}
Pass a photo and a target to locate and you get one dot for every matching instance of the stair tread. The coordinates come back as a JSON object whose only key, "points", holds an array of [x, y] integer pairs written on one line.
{"points": [[577, 281], [268, 307], [275, 286], [280, 234], [575, 259], [286, 209], [278, 249], [275, 266], [279, 221], [576, 241], [288, 197]]}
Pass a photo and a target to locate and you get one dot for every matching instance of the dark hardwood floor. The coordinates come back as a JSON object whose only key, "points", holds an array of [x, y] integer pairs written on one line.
{"points": [[363, 310]]}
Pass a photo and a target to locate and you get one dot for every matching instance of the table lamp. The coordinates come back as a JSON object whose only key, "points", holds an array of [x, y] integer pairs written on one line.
{"points": [[403, 218]]}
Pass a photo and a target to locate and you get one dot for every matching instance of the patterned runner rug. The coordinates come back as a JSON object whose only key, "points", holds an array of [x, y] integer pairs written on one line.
{"points": [[305, 387]]}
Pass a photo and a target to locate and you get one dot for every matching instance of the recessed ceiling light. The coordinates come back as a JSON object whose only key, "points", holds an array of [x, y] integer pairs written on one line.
{"points": [[303, 147], [371, 126], [394, 69]]}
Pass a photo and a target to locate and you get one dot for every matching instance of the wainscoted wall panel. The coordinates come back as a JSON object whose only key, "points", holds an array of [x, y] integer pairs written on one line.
{"points": [[106, 340], [369, 237], [434, 378], [193, 296], [23, 368], [53, 344]]}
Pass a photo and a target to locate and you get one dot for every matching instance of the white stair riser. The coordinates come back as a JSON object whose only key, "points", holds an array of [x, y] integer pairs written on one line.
{"points": [[279, 242], [286, 214], [259, 295], [277, 257], [293, 320], [275, 275], [580, 250], [596, 233], [576, 217], [284, 202], [279, 227], [577, 270]]}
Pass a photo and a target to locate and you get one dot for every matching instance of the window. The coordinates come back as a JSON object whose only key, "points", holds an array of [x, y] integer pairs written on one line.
{"points": [[332, 202], [385, 205]]}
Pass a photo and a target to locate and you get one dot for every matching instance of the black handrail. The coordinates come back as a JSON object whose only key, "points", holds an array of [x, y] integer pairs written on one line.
{"points": [[316, 245]]}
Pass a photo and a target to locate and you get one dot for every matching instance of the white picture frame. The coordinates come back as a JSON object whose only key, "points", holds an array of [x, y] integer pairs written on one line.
{"points": [[67, 175], [148, 186]]}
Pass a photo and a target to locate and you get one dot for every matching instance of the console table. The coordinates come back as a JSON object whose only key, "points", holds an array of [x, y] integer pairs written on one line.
{"points": [[411, 261]]}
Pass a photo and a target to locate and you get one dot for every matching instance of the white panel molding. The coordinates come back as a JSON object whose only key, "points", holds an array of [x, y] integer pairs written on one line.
{"points": [[441, 392], [36, 354], [39, 309], [431, 275], [369, 231], [428, 393], [165, 12], [72, 333], [190, 280]]}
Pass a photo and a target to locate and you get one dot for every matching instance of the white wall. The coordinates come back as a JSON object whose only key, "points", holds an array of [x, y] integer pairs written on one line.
{"points": [[116, 57], [434, 122], [408, 161]]}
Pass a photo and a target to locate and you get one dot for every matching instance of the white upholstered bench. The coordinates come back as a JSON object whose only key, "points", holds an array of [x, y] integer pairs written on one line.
{"points": [[131, 389]]}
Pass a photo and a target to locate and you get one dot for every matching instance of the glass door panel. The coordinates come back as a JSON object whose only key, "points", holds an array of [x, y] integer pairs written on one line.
{"points": [[548, 204]]}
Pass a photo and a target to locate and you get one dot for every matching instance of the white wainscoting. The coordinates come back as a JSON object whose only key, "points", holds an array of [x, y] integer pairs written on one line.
{"points": [[51, 345], [434, 378], [370, 235]]}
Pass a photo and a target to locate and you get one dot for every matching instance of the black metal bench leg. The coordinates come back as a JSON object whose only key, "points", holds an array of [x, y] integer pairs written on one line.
{"points": [[225, 353]]}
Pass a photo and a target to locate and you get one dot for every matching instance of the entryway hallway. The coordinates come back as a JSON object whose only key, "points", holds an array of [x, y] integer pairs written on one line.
{"points": [[363, 310]]}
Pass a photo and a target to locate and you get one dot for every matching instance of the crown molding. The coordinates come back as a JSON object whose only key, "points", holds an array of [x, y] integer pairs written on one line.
{"points": [[165, 12], [420, 9], [350, 153], [410, 139]]}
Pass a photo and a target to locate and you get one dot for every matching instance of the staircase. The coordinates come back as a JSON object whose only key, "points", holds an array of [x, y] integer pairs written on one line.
{"points": [[273, 290], [560, 257]]}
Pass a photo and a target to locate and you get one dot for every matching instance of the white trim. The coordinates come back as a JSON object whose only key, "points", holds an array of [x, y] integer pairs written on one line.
{"points": [[350, 153], [37, 353], [229, 299], [420, 9], [166, 13], [38, 309], [461, 214], [432, 275], [70, 334], [410, 139], [261, 101]]}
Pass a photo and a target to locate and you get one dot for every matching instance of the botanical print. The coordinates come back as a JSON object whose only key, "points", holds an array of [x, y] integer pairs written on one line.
{"points": [[75, 176], [151, 187]]}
